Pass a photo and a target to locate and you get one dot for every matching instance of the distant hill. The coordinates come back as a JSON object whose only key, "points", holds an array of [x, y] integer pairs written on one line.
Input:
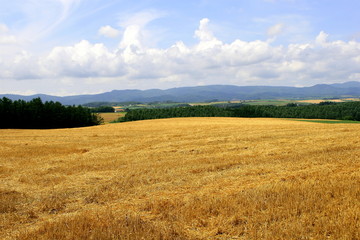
{"points": [[207, 93]]}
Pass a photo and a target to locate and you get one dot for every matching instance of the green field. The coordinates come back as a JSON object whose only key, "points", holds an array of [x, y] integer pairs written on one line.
{"points": [[330, 121], [274, 102], [269, 102]]}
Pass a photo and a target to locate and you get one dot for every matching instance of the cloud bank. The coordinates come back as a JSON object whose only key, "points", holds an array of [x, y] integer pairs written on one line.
{"points": [[209, 61]]}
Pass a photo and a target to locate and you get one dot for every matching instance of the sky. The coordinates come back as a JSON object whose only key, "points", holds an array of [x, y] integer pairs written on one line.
{"points": [[70, 47]]}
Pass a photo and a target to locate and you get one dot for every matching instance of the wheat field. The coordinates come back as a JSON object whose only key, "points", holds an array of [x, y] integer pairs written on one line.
{"points": [[186, 178], [113, 116]]}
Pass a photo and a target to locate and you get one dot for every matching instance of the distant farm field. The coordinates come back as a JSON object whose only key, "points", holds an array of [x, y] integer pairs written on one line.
{"points": [[316, 101], [109, 117], [185, 178]]}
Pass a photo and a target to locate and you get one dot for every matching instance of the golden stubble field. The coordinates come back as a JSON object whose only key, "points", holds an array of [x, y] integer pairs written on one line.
{"points": [[109, 117], [193, 178]]}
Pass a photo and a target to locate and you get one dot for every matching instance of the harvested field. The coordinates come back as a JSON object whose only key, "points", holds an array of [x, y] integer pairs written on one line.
{"points": [[317, 101], [109, 117], [186, 178]]}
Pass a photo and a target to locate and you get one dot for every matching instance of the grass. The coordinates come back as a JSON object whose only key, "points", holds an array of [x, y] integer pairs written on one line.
{"points": [[331, 121], [269, 102], [192, 178], [281, 102]]}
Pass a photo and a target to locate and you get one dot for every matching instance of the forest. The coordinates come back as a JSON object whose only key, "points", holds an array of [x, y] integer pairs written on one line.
{"points": [[36, 114], [323, 110], [194, 111], [102, 109]]}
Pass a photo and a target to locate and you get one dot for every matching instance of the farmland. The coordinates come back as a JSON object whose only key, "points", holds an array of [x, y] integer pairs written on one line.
{"points": [[215, 102], [184, 178], [109, 117]]}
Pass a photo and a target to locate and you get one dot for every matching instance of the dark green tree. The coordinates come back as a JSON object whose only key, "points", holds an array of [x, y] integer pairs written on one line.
{"points": [[39, 115]]}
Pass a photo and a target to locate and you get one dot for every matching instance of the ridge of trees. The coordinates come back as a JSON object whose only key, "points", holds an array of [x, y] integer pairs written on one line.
{"points": [[35, 114], [324, 110], [194, 111], [102, 109]]}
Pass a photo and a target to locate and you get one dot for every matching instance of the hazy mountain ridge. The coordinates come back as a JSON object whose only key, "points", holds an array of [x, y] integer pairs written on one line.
{"points": [[206, 93]]}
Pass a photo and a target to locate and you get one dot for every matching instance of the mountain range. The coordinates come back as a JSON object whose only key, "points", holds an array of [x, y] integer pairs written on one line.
{"points": [[207, 93]]}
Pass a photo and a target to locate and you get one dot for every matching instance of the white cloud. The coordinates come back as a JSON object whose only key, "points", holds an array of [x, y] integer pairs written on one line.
{"points": [[109, 32], [5, 37], [210, 61], [321, 38], [132, 37], [82, 60], [206, 37], [203, 33], [135, 35], [275, 30]]}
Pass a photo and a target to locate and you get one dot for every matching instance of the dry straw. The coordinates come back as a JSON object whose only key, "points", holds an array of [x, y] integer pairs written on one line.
{"points": [[195, 178]]}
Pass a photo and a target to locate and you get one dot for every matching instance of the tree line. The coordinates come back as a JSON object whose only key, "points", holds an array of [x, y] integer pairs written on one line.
{"points": [[194, 111], [102, 109], [36, 114], [324, 110]]}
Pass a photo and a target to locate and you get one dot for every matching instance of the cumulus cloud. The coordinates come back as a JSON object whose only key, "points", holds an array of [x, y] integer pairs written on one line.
{"points": [[135, 33], [205, 35], [132, 37], [82, 60], [321, 38], [109, 32], [209, 61]]}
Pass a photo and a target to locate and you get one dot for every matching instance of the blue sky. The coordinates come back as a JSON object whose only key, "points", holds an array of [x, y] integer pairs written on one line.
{"points": [[66, 47]]}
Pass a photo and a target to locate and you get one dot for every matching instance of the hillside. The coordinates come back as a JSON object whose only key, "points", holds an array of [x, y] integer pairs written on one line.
{"points": [[193, 178], [206, 93]]}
